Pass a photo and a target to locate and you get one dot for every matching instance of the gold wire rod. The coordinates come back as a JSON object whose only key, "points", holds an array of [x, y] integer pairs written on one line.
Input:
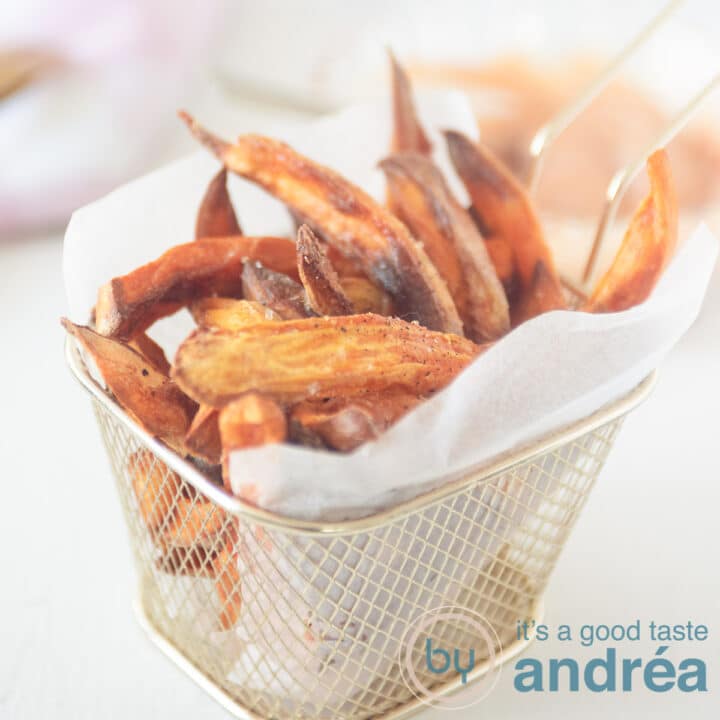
{"points": [[560, 122], [623, 178]]}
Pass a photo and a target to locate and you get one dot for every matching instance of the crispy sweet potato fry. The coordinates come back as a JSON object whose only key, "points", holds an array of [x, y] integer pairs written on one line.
{"points": [[250, 421], [203, 435], [151, 351], [230, 314], [364, 294], [423, 201], [347, 217], [647, 247], [216, 216], [147, 395], [155, 486], [227, 586], [408, 135], [504, 210], [346, 424], [274, 290], [366, 297], [328, 356], [324, 291], [185, 272]]}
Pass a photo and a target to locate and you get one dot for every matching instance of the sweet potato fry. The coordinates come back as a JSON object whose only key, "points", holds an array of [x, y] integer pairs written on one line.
{"points": [[324, 291], [364, 294], [274, 290], [344, 266], [227, 586], [347, 217], [195, 522], [216, 216], [155, 486], [147, 395], [647, 247], [422, 200], [193, 561], [230, 314], [250, 421], [203, 436], [151, 351], [504, 210], [408, 135], [535, 302], [185, 272], [328, 356], [366, 297], [343, 424]]}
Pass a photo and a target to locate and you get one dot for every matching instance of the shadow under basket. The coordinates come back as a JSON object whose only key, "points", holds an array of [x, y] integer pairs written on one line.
{"points": [[281, 618]]}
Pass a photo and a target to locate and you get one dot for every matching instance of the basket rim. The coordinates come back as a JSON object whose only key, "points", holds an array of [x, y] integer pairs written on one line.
{"points": [[244, 510]]}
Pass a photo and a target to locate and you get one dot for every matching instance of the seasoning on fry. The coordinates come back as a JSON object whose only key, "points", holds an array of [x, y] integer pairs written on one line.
{"points": [[324, 356]]}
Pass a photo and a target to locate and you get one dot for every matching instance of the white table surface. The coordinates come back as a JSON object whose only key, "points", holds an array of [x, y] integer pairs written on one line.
{"points": [[646, 546]]}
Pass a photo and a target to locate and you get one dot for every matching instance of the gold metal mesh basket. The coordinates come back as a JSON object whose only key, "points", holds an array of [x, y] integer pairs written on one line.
{"points": [[279, 618]]}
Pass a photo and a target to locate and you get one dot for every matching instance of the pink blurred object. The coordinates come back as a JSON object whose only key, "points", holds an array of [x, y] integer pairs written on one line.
{"points": [[104, 115]]}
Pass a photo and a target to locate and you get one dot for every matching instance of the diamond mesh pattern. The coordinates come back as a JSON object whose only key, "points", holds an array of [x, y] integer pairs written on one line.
{"points": [[295, 625]]}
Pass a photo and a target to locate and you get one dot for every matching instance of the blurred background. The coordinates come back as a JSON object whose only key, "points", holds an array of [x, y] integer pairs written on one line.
{"points": [[88, 96], [89, 90]]}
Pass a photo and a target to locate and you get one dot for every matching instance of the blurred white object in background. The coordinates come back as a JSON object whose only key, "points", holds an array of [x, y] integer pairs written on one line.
{"points": [[108, 113], [123, 67], [324, 53]]}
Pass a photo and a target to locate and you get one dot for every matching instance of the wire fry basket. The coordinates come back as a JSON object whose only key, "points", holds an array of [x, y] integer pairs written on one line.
{"points": [[281, 618], [289, 619]]}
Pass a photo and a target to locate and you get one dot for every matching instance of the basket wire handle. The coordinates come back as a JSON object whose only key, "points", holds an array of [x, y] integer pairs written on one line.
{"points": [[623, 178], [550, 132]]}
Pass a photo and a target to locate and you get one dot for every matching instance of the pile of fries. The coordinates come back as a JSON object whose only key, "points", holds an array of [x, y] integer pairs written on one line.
{"points": [[328, 338]]}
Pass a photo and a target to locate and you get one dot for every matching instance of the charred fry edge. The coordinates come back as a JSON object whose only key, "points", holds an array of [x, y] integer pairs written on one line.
{"points": [[324, 291]]}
